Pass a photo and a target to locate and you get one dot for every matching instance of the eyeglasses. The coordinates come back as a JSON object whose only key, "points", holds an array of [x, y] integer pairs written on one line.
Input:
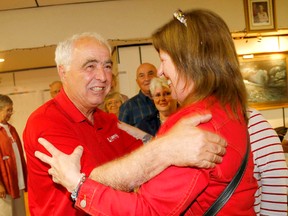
{"points": [[164, 94]]}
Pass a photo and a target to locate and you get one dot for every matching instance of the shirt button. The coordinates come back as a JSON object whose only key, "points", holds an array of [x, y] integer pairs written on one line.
{"points": [[83, 203]]}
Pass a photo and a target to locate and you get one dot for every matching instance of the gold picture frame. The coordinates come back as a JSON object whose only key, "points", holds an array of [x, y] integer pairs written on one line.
{"points": [[266, 80], [260, 15]]}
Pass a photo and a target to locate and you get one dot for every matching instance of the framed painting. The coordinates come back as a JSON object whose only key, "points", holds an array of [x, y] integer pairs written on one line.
{"points": [[265, 78], [260, 15]]}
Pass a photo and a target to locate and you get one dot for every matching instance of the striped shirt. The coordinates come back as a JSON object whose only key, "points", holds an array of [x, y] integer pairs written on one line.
{"points": [[270, 168], [135, 109]]}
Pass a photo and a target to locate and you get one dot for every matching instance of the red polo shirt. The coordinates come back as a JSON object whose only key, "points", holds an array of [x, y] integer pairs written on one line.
{"points": [[61, 123], [178, 189]]}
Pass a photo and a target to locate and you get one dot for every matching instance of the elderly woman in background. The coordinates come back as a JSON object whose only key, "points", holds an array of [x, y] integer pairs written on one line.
{"points": [[164, 103], [13, 166], [112, 103]]}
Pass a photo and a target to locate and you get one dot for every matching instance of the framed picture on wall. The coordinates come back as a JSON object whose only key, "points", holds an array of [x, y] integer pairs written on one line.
{"points": [[260, 15], [265, 78]]}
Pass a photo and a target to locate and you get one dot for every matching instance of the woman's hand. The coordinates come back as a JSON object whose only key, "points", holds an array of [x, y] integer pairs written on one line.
{"points": [[65, 169]]}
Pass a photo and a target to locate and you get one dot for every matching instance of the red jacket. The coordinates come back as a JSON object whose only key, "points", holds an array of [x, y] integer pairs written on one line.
{"points": [[182, 189], [8, 169]]}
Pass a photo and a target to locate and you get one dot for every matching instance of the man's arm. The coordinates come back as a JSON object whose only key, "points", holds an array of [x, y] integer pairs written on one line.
{"points": [[183, 145], [135, 132]]}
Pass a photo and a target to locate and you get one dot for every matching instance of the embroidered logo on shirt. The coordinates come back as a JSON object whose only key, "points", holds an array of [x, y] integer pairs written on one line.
{"points": [[113, 137], [5, 158]]}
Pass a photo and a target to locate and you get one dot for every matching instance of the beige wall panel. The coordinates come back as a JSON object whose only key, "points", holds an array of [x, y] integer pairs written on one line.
{"points": [[128, 63], [128, 19], [36, 79], [149, 54]]}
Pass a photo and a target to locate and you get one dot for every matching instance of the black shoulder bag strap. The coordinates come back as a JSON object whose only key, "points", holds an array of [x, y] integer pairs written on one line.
{"points": [[231, 187]]}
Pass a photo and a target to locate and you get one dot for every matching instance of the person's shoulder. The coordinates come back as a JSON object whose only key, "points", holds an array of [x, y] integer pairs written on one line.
{"points": [[130, 101], [254, 116], [252, 111], [135, 97], [124, 97], [45, 116], [42, 109]]}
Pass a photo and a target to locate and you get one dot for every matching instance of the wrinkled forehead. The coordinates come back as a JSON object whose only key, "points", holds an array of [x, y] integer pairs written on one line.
{"points": [[89, 44], [146, 69], [163, 88]]}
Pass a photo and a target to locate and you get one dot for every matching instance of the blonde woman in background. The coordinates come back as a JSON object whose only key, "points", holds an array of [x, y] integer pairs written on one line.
{"points": [[13, 166], [112, 103]]}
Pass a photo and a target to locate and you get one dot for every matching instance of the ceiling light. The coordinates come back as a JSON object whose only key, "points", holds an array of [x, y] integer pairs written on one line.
{"points": [[2, 60], [249, 56]]}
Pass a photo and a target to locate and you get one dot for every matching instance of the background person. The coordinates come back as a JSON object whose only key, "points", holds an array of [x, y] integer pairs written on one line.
{"points": [[112, 90], [55, 88], [141, 105], [112, 103], [270, 169], [85, 67], [195, 65], [13, 166], [164, 104]]}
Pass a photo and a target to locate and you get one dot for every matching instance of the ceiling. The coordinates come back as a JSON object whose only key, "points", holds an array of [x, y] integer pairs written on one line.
{"points": [[24, 4], [42, 57]]}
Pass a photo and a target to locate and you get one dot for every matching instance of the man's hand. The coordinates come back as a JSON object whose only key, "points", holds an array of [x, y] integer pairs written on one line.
{"points": [[194, 147], [65, 169]]}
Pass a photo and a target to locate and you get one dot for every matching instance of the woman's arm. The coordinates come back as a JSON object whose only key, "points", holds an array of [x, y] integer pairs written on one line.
{"points": [[183, 145]]}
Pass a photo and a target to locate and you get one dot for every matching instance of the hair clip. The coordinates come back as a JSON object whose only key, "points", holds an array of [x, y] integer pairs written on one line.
{"points": [[180, 16]]}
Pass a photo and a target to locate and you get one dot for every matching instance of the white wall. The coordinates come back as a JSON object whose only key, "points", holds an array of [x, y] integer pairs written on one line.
{"points": [[113, 19], [28, 90], [130, 58]]}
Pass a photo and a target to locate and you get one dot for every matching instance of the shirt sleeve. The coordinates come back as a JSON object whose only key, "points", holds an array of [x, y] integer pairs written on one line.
{"points": [[270, 167], [151, 199]]}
